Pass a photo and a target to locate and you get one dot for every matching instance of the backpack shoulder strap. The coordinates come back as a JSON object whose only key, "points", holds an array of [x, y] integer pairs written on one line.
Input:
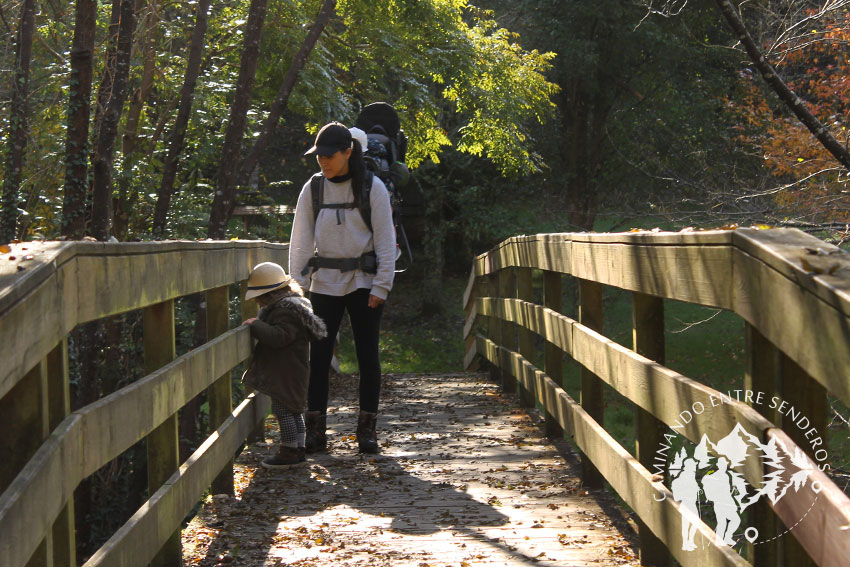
{"points": [[317, 193], [317, 190], [365, 199]]}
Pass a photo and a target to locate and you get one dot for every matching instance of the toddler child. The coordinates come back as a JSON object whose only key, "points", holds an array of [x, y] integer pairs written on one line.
{"points": [[280, 363]]}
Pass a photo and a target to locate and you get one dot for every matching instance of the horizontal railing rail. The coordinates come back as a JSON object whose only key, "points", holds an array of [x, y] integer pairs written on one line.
{"points": [[66, 284], [792, 290]]}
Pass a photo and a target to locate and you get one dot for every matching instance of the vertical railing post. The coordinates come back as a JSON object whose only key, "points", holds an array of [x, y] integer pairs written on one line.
{"points": [[761, 375], [220, 393], [648, 340], [553, 361], [59, 406], [507, 289], [28, 413], [809, 396], [477, 289], [247, 309], [162, 443], [590, 315], [494, 326], [25, 426], [525, 292]]}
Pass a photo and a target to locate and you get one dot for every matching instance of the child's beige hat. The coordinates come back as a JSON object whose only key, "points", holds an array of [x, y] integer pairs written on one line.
{"points": [[266, 277]]}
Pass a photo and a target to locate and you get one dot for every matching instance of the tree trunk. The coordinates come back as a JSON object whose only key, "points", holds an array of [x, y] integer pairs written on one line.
{"points": [[785, 94], [583, 124], [298, 62], [123, 203], [140, 95], [110, 103], [17, 123], [581, 199], [434, 257], [178, 134], [79, 105], [225, 190]]}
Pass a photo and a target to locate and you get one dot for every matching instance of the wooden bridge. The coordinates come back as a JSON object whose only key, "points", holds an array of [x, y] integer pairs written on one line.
{"points": [[792, 291]]}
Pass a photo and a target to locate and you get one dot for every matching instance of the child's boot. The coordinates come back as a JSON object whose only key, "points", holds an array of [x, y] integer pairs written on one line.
{"points": [[316, 438], [286, 457], [367, 437]]}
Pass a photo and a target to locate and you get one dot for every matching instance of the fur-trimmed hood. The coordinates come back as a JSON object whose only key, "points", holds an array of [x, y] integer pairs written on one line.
{"points": [[280, 364], [300, 307]]}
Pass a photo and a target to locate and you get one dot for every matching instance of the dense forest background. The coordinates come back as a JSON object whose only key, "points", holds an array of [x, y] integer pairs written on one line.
{"points": [[153, 119]]}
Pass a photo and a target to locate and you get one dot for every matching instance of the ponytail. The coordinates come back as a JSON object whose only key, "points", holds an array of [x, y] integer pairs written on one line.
{"points": [[357, 167]]}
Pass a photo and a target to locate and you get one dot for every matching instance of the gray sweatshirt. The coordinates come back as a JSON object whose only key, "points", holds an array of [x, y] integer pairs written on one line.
{"points": [[342, 233]]}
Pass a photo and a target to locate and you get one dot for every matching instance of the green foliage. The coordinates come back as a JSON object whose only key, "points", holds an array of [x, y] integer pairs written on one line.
{"points": [[459, 80], [642, 115], [506, 84]]}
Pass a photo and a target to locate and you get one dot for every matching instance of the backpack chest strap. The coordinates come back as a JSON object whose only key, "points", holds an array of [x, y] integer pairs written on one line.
{"points": [[337, 206], [317, 194]]}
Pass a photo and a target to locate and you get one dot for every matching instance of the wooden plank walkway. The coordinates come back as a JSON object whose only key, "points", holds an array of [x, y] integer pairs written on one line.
{"points": [[464, 479]]}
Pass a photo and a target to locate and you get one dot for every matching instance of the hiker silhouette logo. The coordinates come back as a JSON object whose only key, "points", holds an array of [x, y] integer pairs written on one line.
{"points": [[708, 480]]}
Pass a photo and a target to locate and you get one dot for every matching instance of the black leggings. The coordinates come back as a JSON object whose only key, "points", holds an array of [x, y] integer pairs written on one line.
{"points": [[366, 327]]}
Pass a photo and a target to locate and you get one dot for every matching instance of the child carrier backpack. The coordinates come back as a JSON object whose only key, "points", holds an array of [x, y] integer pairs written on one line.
{"points": [[384, 157], [387, 144]]}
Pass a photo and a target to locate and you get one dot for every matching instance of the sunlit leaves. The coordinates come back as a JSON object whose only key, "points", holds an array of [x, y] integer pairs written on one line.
{"points": [[504, 89], [816, 67], [460, 79]]}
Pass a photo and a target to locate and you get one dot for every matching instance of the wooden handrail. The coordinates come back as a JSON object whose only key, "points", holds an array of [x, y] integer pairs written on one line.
{"points": [[260, 210], [742, 270], [790, 287], [63, 284], [136, 542], [69, 283]]}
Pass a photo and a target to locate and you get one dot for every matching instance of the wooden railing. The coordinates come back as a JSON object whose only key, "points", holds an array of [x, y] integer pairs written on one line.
{"points": [[793, 293], [46, 291]]}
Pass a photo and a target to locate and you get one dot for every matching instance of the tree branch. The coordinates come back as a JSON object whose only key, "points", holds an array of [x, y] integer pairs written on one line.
{"points": [[780, 88], [298, 62]]}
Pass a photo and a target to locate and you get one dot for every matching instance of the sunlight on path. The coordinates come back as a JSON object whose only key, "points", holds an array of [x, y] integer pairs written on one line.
{"points": [[464, 479]]}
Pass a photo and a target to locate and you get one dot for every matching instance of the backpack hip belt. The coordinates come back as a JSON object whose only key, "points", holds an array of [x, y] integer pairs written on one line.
{"points": [[368, 263]]}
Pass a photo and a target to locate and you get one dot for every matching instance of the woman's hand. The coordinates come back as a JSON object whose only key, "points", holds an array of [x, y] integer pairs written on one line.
{"points": [[375, 301], [249, 321]]}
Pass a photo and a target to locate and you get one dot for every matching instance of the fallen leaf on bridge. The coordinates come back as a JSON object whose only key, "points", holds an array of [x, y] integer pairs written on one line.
{"points": [[446, 490]]}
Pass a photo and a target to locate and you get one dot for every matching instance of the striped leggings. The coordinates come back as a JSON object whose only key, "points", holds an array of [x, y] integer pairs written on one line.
{"points": [[292, 430]]}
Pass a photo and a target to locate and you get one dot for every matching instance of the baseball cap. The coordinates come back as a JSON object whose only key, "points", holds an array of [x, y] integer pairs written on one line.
{"points": [[330, 139]]}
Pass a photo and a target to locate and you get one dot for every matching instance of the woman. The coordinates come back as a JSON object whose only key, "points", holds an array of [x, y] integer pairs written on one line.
{"points": [[347, 266]]}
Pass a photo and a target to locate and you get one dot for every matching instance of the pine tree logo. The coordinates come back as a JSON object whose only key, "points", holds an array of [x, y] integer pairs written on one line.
{"points": [[706, 478]]}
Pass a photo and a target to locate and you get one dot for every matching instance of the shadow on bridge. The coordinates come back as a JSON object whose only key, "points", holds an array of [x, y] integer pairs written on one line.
{"points": [[463, 477]]}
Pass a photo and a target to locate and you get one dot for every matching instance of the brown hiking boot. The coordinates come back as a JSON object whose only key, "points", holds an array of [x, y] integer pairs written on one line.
{"points": [[316, 424], [285, 458], [367, 438]]}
